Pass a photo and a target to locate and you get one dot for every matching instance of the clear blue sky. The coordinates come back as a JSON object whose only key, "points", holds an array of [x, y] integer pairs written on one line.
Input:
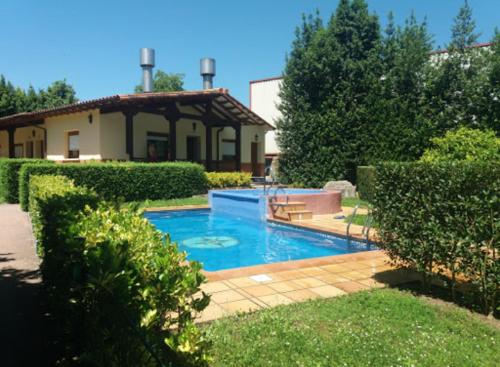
{"points": [[95, 44]]}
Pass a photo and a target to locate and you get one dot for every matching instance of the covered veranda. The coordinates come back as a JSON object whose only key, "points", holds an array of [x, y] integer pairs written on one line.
{"points": [[215, 110]]}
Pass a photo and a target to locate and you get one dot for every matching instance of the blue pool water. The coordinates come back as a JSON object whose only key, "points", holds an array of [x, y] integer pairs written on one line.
{"points": [[222, 241]]}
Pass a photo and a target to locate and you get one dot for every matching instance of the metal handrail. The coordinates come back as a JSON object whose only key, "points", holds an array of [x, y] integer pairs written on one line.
{"points": [[276, 193], [353, 215]]}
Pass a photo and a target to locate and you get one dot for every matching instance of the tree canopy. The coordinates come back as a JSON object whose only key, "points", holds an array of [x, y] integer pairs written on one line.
{"points": [[354, 95], [14, 99], [165, 82]]}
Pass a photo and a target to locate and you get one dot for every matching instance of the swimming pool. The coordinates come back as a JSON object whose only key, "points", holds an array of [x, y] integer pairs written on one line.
{"points": [[250, 203], [222, 241]]}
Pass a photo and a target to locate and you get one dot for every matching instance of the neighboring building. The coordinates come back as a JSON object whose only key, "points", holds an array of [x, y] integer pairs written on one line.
{"points": [[207, 126], [265, 99]]}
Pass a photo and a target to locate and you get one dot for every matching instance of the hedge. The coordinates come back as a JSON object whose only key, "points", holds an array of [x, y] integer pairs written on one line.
{"points": [[217, 180], [443, 219], [124, 295], [129, 181], [9, 177], [365, 182]]}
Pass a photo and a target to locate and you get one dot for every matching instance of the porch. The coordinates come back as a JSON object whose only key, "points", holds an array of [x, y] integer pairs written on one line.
{"points": [[209, 127]]}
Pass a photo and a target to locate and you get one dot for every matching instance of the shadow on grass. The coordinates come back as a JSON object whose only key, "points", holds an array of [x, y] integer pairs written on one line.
{"points": [[438, 291], [25, 332]]}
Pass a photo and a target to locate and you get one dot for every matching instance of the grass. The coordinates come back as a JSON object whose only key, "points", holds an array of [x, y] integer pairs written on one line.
{"points": [[377, 328], [352, 202], [195, 200], [359, 219]]}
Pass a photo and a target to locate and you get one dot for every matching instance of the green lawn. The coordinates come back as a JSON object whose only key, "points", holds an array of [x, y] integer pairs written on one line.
{"points": [[359, 219], [378, 328], [352, 202], [195, 200]]}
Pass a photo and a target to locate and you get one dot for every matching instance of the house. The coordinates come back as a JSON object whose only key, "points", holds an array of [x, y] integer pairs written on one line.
{"points": [[208, 126], [264, 101]]}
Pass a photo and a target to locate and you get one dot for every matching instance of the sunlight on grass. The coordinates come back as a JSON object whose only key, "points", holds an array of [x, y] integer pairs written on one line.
{"points": [[352, 202], [377, 328], [195, 200]]}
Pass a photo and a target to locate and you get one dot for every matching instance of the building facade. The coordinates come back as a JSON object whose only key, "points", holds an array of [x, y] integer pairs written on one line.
{"points": [[264, 101], [209, 127]]}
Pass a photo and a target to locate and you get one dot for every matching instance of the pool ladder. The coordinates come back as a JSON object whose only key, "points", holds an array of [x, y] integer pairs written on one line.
{"points": [[366, 226]]}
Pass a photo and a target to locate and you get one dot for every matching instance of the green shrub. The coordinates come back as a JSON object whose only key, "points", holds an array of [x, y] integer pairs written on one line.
{"points": [[50, 195], [218, 180], [129, 181], [443, 218], [124, 294], [464, 145], [365, 182], [9, 177]]}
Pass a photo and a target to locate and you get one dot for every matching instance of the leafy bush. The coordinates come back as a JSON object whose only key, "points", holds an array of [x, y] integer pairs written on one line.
{"points": [[365, 183], [125, 295], [50, 195], [9, 177], [129, 181], [218, 180], [442, 219], [464, 145]]}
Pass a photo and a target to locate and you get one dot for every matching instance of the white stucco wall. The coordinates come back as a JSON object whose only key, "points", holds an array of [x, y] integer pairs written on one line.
{"points": [[90, 135], [264, 101]]}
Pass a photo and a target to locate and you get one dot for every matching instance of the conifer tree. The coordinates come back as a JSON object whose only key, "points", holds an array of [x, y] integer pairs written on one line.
{"points": [[330, 81], [402, 131], [458, 77]]}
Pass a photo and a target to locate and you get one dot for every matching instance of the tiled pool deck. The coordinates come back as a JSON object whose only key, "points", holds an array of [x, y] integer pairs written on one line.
{"points": [[257, 287]]}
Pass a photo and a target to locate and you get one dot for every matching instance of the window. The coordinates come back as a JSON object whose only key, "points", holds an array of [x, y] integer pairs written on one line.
{"points": [[18, 151], [73, 144], [228, 150], [157, 146]]}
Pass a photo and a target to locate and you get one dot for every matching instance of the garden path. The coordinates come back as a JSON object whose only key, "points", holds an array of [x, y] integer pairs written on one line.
{"points": [[23, 336]]}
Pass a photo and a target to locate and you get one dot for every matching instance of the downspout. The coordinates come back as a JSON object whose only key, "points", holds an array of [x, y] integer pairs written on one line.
{"points": [[218, 142], [44, 138]]}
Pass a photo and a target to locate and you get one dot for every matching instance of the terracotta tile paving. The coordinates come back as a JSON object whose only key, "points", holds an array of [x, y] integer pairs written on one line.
{"points": [[276, 299], [301, 295], [238, 290]]}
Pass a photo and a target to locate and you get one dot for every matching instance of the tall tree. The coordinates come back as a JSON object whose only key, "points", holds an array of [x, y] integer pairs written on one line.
{"points": [[488, 108], [458, 76], [402, 130], [59, 93], [8, 98], [14, 100], [463, 29], [165, 82], [330, 81]]}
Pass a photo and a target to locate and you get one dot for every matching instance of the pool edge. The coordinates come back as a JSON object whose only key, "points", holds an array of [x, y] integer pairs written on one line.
{"points": [[291, 265]]}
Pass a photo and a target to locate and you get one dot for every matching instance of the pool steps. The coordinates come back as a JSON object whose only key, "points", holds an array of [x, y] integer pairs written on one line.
{"points": [[291, 211]]}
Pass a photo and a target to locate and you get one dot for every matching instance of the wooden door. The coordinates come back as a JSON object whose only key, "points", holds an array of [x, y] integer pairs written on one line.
{"points": [[193, 148]]}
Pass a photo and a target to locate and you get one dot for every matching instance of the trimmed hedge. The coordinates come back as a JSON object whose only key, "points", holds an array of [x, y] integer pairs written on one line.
{"points": [[129, 181], [217, 180], [9, 177], [124, 295], [443, 218], [365, 182]]}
